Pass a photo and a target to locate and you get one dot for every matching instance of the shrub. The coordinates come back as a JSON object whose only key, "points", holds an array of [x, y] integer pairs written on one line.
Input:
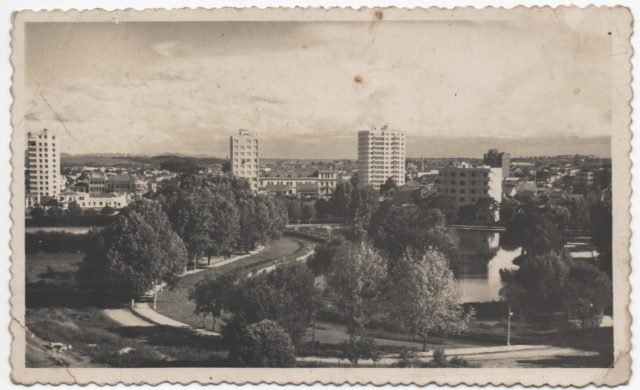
{"points": [[359, 347], [440, 360], [263, 344], [37, 212], [107, 210], [408, 359]]}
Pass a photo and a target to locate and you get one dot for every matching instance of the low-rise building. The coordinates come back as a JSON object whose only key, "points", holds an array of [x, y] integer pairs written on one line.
{"points": [[327, 181], [320, 184], [96, 181], [92, 200]]}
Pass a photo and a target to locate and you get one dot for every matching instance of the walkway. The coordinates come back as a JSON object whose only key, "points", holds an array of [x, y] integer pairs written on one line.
{"points": [[496, 356], [145, 311], [125, 317], [482, 228], [143, 315]]}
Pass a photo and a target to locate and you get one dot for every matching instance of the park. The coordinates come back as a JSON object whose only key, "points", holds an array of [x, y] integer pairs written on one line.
{"points": [[224, 265]]}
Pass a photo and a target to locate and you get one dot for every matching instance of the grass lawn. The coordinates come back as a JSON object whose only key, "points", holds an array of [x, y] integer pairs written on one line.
{"points": [[61, 310], [52, 268], [329, 336], [174, 303], [97, 341], [596, 339]]}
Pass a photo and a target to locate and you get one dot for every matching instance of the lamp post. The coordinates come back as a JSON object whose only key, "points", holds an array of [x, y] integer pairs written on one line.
{"points": [[509, 315]]}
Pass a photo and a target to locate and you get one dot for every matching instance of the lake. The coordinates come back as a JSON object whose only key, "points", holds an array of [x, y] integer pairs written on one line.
{"points": [[481, 259]]}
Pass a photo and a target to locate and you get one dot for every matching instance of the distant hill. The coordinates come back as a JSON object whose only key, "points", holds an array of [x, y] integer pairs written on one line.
{"points": [[122, 160]]}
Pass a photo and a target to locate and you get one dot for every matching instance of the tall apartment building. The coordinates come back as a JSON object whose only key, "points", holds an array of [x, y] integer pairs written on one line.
{"points": [[381, 156], [466, 184], [496, 159], [42, 166], [244, 157]]}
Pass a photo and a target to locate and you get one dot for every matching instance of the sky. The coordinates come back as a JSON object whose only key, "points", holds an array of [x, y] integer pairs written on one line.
{"points": [[539, 87]]}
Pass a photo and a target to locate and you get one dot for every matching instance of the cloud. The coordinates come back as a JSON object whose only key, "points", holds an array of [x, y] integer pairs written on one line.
{"points": [[188, 87]]}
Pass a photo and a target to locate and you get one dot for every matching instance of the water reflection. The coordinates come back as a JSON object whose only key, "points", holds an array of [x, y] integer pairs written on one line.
{"points": [[481, 259]]}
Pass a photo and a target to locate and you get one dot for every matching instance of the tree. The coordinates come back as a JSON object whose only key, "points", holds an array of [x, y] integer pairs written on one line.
{"points": [[37, 212], [138, 250], [323, 209], [553, 283], [308, 211], [74, 208], [202, 210], [250, 232], [428, 300], [321, 262], [210, 295], [396, 229], [359, 346], [442, 202], [340, 202], [263, 344], [486, 210], [294, 210], [364, 202], [215, 215], [588, 293], [538, 285], [388, 186], [54, 211], [174, 252], [466, 214], [602, 234], [533, 228], [286, 295], [226, 167], [357, 284], [107, 210]]}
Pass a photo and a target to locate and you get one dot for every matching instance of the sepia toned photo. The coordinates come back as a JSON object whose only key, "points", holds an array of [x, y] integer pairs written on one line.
{"points": [[299, 195]]}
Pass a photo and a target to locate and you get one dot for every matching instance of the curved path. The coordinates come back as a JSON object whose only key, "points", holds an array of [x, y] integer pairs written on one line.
{"points": [[174, 303], [175, 310]]}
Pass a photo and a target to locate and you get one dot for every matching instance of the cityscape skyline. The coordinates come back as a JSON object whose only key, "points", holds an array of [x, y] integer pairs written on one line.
{"points": [[473, 148], [191, 84]]}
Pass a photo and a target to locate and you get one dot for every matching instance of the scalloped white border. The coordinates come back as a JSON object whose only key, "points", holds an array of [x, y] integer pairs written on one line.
{"points": [[377, 376]]}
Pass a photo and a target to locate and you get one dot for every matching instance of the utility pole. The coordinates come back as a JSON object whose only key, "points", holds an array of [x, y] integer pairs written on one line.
{"points": [[510, 314]]}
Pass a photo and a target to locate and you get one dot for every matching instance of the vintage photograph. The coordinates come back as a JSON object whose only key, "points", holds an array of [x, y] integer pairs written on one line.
{"points": [[364, 189]]}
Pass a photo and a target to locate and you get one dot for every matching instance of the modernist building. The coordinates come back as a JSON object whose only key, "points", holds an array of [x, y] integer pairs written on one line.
{"points": [[244, 157], [381, 155], [496, 159], [42, 169], [466, 184]]}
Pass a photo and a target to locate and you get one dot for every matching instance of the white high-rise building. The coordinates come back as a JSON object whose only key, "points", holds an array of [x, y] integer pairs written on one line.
{"points": [[244, 157], [381, 156], [42, 166]]}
